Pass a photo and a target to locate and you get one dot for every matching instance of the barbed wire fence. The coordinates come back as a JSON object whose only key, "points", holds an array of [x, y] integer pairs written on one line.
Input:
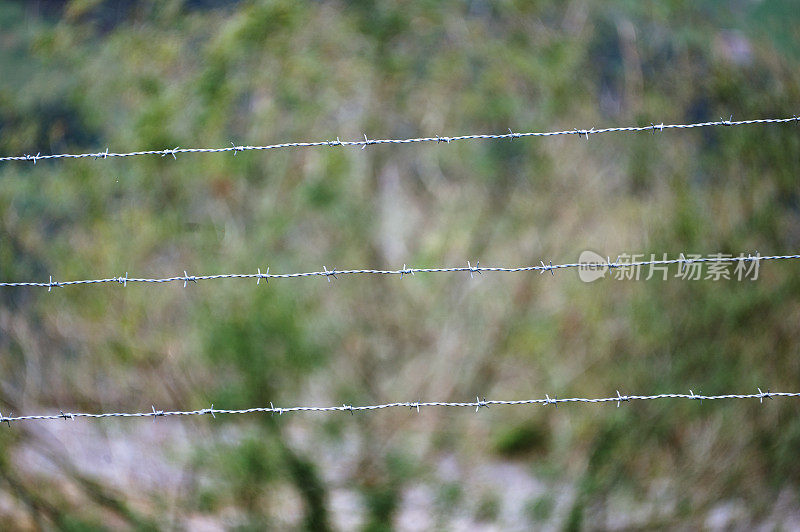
{"points": [[174, 152], [618, 264], [416, 405], [608, 265]]}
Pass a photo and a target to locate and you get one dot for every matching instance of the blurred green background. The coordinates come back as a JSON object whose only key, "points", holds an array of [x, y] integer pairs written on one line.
{"points": [[88, 74]]}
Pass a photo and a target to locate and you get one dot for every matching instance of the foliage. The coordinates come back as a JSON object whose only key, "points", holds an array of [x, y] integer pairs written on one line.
{"points": [[155, 75]]}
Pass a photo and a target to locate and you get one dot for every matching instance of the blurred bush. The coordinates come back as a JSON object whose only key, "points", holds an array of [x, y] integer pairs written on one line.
{"points": [[86, 74]]}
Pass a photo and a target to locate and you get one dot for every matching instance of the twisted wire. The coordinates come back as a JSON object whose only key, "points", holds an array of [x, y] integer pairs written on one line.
{"points": [[477, 405], [334, 273], [653, 128]]}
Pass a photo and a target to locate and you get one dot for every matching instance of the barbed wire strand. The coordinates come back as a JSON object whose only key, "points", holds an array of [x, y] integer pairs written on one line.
{"points": [[542, 268], [653, 128], [477, 405]]}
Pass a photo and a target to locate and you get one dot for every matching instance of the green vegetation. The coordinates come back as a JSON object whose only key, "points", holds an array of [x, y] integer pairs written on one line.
{"points": [[153, 75]]}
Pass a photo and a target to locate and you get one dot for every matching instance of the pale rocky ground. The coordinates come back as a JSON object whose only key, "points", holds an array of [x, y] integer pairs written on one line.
{"points": [[152, 461]]}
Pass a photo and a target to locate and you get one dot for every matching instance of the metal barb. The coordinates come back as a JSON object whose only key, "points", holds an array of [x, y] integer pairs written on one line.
{"points": [[476, 268], [480, 403], [728, 122], [406, 270], [156, 413], [621, 398], [762, 395], [697, 398], [6, 420], [264, 276], [211, 411], [547, 268], [67, 416], [187, 278], [366, 141], [328, 274], [123, 280], [51, 284]]}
